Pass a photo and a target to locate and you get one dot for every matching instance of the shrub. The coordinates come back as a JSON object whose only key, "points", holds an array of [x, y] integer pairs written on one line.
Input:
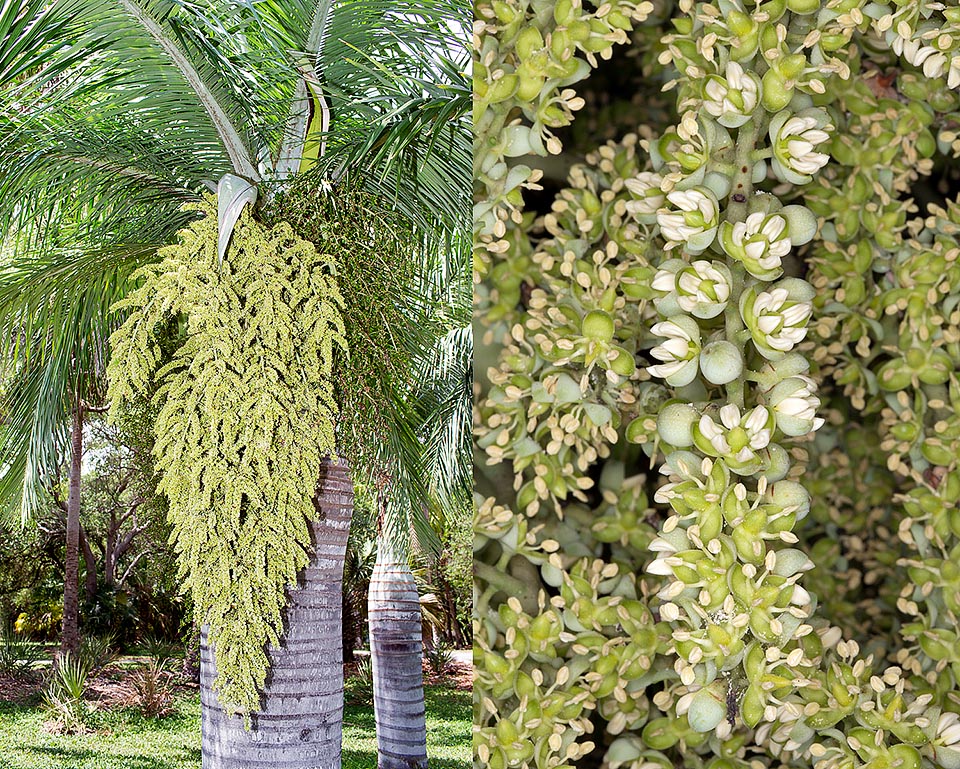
{"points": [[17, 652], [358, 688], [97, 652], [718, 524], [439, 659], [63, 696], [155, 688]]}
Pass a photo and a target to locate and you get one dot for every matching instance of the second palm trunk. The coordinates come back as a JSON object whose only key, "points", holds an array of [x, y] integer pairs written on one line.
{"points": [[396, 651]]}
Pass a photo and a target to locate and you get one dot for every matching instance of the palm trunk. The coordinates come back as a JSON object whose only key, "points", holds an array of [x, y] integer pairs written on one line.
{"points": [[70, 640], [301, 722], [396, 651]]}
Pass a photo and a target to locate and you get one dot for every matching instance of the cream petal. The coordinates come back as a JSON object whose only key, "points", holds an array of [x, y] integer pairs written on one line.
{"points": [[730, 416]]}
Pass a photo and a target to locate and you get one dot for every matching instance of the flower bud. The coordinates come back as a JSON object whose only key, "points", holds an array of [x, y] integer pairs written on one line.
{"points": [[706, 711], [721, 362], [598, 325], [790, 494], [801, 224], [675, 424], [777, 93]]}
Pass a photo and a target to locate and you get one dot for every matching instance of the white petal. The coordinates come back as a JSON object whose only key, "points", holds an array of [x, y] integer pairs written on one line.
{"points": [[757, 419], [730, 416], [794, 316], [773, 227], [760, 440], [752, 225], [755, 249], [659, 566], [769, 323], [664, 280]]}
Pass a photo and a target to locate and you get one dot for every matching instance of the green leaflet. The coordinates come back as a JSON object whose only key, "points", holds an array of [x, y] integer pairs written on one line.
{"points": [[247, 412]]}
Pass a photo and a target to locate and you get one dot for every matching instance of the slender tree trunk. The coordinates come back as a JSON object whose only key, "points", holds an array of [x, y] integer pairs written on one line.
{"points": [[89, 567], [300, 725], [70, 640], [396, 652]]}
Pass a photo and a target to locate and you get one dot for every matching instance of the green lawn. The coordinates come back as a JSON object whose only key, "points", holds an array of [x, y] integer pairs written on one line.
{"points": [[125, 740], [449, 738]]}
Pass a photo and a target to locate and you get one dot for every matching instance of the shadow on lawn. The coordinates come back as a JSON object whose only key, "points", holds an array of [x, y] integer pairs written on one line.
{"points": [[83, 754]]}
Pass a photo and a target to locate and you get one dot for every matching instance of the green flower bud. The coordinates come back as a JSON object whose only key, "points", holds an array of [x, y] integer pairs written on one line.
{"points": [[675, 423], [751, 709], [801, 224], [790, 495], [706, 710], [776, 92], [598, 325], [721, 362], [778, 463]]}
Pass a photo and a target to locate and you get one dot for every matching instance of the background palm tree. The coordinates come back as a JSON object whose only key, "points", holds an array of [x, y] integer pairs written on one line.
{"points": [[444, 398], [114, 114]]}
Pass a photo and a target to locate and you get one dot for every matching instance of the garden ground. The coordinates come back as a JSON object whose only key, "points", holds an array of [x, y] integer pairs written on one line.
{"points": [[121, 738]]}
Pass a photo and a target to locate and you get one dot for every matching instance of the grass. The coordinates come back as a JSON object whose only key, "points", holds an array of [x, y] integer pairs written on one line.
{"points": [[125, 740], [449, 739]]}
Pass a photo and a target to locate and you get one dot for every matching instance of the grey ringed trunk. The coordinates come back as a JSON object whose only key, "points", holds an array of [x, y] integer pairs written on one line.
{"points": [[396, 652], [301, 721]]}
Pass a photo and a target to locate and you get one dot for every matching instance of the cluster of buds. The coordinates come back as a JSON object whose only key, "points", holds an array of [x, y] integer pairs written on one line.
{"points": [[526, 57], [662, 306]]}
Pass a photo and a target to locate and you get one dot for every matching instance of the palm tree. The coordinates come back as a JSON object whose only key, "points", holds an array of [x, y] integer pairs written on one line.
{"points": [[113, 114], [444, 398]]}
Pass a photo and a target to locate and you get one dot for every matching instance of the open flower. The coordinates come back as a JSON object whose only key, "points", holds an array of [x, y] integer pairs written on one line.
{"points": [[795, 405], [947, 741], [736, 439], [777, 321], [794, 139], [693, 220], [731, 99], [760, 243], [647, 196], [679, 353], [701, 288]]}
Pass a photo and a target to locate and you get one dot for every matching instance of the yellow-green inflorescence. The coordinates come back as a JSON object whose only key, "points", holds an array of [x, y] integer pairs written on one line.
{"points": [[247, 413], [748, 298]]}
